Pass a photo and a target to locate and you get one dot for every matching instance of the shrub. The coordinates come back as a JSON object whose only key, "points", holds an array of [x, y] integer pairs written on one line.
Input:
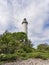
{"points": [[41, 56], [7, 57]]}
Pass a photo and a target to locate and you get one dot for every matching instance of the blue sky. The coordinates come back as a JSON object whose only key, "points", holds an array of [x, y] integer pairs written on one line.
{"points": [[12, 13]]}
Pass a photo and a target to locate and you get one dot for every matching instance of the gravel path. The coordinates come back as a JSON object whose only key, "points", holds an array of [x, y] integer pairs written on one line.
{"points": [[30, 62]]}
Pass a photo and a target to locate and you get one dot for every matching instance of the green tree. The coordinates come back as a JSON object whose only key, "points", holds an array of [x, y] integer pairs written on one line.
{"points": [[11, 42], [42, 47]]}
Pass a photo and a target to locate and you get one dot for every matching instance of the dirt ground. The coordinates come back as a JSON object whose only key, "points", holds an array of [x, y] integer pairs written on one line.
{"points": [[30, 62]]}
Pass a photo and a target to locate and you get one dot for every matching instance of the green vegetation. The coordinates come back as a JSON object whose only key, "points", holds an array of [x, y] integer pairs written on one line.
{"points": [[15, 46]]}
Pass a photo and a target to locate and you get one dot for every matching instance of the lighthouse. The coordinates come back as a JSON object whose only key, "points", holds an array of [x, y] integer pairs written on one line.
{"points": [[25, 26]]}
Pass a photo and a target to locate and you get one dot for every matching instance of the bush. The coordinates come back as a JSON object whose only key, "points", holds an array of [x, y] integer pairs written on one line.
{"points": [[27, 49], [41, 56], [7, 57]]}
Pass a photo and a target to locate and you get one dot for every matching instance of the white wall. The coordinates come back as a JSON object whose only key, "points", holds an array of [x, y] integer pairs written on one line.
{"points": [[24, 27]]}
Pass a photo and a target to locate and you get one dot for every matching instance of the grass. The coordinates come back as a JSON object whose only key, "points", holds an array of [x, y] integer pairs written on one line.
{"points": [[40, 55], [24, 56]]}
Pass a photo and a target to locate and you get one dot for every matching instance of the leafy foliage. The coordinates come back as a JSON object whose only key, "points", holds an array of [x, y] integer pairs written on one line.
{"points": [[17, 46], [14, 43], [43, 47]]}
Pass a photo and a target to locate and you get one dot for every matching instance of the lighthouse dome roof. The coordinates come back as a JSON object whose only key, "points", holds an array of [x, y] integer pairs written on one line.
{"points": [[24, 21]]}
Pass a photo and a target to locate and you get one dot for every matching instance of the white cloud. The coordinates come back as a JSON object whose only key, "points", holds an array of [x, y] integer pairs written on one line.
{"points": [[12, 13]]}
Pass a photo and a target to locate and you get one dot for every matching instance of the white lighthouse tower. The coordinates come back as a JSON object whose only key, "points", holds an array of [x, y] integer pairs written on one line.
{"points": [[24, 26]]}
